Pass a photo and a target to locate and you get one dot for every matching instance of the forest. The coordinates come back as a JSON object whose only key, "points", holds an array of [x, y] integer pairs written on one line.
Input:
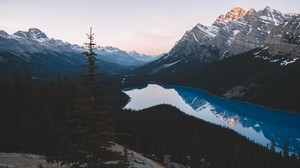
{"points": [[35, 117]]}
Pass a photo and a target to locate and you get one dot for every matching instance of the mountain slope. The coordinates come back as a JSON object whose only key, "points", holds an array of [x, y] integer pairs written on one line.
{"points": [[243, 77], [142, 57], [117, 56], [267, 76], [34, 52], [236, 32]]}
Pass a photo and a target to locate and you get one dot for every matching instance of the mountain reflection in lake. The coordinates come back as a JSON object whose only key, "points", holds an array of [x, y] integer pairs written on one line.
{"points": [[256, 123]]}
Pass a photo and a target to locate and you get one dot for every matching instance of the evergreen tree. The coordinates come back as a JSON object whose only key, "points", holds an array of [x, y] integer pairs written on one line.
{"points": [[272, 146], [89, 126], [286, 150]]}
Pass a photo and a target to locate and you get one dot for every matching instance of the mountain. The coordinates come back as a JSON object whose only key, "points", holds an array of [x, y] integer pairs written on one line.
{"points": [[32, 51], [142, 57], [258, 62], [245, 77], [285, 39], [127, 59], [236, 32]]}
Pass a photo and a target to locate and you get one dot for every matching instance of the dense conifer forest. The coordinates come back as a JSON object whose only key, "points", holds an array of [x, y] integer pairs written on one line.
{"points": [[34, 114], [164, 130]]}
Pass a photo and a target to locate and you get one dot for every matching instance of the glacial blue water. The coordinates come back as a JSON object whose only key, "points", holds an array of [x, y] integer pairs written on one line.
{"points": [[256, 123]]}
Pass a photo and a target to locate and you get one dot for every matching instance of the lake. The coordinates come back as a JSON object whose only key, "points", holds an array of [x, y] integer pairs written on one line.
{"points": [[256, 123]]}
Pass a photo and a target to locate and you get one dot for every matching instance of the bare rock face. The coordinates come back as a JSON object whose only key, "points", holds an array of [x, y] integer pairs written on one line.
{"points": [[207, 43], [256, 30], [197, 42], [235, 14], [235, 32], [284, 39]]}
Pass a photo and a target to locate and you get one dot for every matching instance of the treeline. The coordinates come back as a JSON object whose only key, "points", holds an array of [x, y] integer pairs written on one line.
{"points": [[58, 119], [31, 111], [70, 123], [164, 130]]}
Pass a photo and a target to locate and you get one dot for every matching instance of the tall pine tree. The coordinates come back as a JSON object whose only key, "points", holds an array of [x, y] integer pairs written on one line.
{"points": [[89, 127]]}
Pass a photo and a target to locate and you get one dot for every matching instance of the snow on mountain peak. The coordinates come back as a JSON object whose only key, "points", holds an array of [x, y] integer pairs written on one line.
{"points": [[36, 33], [33, 34], [272, 16], [21, 34], [3, 33], [294, 14], [209, 31], [133, 52], [267, 8], [108, 49]]}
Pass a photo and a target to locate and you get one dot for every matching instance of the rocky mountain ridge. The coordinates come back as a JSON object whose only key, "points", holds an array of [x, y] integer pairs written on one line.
{"points": [[32, 51], [34, 40], [236, 32]]}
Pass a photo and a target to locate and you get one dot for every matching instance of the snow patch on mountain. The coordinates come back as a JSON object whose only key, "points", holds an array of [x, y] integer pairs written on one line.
{"points": [[283, 61], [164, 66], [108, 49], [142, 57], [210, 31], [288, 61], [235, 32], [34, 41], [195, 37]]}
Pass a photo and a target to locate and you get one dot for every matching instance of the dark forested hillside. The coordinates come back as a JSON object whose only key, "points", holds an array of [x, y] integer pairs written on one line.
{"points": [[32, 115], [164, 130], [31, 111]]}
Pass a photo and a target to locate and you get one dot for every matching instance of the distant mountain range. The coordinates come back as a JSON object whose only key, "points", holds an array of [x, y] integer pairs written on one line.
{"points": [[34, 52], [236, 32]]}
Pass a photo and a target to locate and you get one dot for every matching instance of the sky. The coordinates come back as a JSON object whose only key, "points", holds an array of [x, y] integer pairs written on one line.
{"points": [[146, 26]]}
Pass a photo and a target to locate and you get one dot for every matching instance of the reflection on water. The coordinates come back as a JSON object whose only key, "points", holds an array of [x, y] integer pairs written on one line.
{"points": [[258, 124]]}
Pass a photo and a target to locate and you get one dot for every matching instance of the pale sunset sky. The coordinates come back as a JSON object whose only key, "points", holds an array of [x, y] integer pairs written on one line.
{"points": [[147, 26]]}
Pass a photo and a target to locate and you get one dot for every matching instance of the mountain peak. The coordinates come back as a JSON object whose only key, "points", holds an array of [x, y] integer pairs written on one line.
{"points": [[238, 8], [36, 34], [236, 14], [3, 33], [272, 16], [34, 30], [33, 33], [133, 52], [267, 8], [251, 11]]}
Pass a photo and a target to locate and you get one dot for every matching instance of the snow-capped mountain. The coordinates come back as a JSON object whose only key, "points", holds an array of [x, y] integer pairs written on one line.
{"points": [[285, 39], [33, 51], [32, 34], [236, 32], [142, 57], [115, 55]]}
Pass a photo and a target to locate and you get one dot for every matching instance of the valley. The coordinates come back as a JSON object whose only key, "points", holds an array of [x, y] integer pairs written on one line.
{"points": [[225, 95], [250, 121]]}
